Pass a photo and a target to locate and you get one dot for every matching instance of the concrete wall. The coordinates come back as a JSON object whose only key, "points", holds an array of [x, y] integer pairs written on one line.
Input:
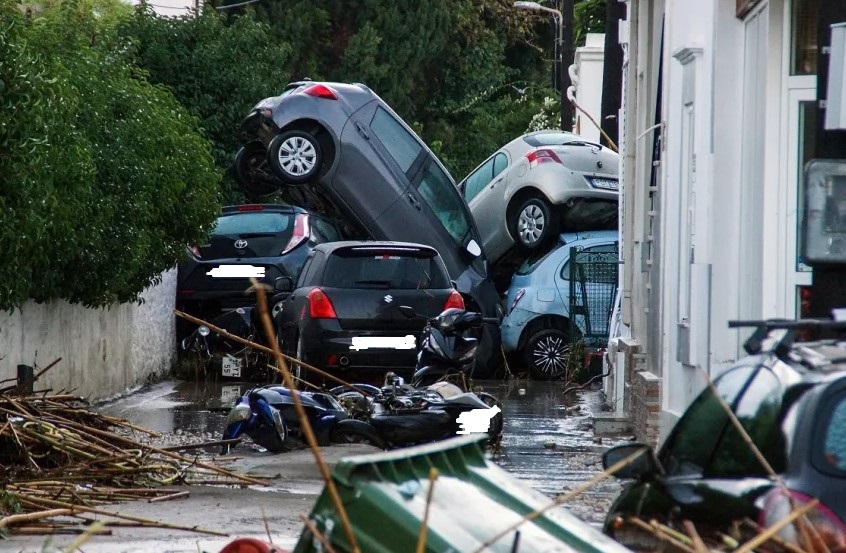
{"points": [[104, 351]]}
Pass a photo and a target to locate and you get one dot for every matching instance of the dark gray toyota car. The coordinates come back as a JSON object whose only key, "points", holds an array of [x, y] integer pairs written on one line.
{"points": [[340, 150]]}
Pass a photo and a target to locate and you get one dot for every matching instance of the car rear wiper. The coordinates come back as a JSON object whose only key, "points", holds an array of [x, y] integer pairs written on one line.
{"points": [[376, 283]]}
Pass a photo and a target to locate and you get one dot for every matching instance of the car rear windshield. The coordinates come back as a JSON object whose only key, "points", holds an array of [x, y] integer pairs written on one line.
{"points": [[552, 139], [261, 222], [370, 268]]}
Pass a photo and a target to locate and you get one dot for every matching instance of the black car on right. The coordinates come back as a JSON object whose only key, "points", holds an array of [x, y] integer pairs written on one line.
{"points": [[791, 400]]}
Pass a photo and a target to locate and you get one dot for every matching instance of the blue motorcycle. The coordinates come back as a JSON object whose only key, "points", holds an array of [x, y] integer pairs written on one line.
{"points": [[268, 416]]}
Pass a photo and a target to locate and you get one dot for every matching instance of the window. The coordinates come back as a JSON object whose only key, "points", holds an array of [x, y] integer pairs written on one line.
{"points": [[835, 437], [385, 270], [803, 47], [253, 222], [500, 163], [401, 145], [441, 195], [478, 180], [324, 230], [534, 261], [599, 277]]}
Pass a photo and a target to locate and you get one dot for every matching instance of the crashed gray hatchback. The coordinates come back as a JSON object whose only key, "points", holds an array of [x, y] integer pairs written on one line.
{"points": [[341, 151]]}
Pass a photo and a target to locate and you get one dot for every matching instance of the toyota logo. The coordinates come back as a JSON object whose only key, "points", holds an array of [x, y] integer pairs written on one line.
{"points": [[240, 244]]}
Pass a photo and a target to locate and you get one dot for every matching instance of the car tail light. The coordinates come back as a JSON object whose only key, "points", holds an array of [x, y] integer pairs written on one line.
{"points": [[331, 360], [517, 298], [301, 233], [321, 91], [827, 526], [319, 306], [195, 251], [542, 155], [251, 207], [454, 300]]}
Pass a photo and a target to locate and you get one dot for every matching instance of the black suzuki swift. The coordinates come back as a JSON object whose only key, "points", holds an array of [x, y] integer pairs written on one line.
{"points": [[344, 318]]}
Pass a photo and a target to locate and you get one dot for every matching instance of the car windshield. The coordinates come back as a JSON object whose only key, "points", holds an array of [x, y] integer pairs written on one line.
{"points": [[255, 222], [552, 138], [706, 443], [441, 195], [367, 269]]}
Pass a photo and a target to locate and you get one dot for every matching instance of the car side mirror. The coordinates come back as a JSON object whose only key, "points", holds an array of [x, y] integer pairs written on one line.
{"points": [[642, 467], [407, 311], [473, 248], [283, 284]]}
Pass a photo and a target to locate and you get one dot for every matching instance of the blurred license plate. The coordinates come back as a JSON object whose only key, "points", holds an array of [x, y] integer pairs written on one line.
{"points": [[230, 366], [383, 342], [607, 184], [236, 271]]}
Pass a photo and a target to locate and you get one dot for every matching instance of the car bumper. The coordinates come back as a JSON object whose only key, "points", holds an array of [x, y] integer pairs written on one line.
{"points": [[357, 352], [195, 284], [513, 325]]}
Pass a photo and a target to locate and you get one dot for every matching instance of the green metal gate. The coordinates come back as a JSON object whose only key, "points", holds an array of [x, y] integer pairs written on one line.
{"points": [[593, 288]]}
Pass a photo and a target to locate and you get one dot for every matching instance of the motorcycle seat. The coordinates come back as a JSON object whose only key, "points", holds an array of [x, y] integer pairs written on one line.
{"points": [[468, 398]]}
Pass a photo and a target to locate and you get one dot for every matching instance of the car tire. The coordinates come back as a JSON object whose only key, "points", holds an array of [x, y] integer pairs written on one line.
{"points": [[546, 354], [250, 170], [533, 223], [295, 156]]}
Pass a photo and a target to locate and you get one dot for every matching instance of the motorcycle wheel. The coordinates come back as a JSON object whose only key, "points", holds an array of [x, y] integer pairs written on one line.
{"points": [[352, 437], [272, 436]]}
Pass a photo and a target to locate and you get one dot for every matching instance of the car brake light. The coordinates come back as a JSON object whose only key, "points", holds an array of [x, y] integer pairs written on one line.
{"points": [[320, 91], [319, 306], [454, 300], [251, 207], [517, 298], [301, 233], [195, 251], [827, 525], [542, 155]]}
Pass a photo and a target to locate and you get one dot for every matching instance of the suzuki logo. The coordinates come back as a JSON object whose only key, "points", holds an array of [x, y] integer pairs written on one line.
{"points": [[240, 244], [389, 298]]}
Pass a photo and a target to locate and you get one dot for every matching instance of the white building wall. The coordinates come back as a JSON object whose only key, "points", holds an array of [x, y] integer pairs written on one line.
{"points": [[589, 61], [104, 351]]}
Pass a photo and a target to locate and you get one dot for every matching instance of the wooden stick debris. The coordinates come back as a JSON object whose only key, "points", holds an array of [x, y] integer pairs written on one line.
{"points": [[658, 533], [305, 425], [424, 526], [771, 531], [316, 533]]}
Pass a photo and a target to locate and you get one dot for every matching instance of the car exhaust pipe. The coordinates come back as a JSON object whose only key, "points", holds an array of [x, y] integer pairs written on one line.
{"points": [[344, 361]]}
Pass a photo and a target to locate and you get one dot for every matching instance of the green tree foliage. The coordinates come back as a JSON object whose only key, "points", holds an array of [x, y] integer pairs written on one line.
{"points": [[589, 17], [218, 71], [103, 177]]}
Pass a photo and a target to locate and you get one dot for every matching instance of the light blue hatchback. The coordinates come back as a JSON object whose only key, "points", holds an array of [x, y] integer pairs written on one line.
{"points": [[537, 325]]}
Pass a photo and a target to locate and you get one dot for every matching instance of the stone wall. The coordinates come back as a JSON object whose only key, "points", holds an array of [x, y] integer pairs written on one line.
{"points": [[104, 351], [646, 406]]}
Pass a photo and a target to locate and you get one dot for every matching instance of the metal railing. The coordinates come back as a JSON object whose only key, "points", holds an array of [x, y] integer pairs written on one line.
{"points": [[593, 287]]}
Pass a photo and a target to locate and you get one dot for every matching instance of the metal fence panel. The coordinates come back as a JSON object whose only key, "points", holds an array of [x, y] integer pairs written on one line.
{"points": [[593, 287]]}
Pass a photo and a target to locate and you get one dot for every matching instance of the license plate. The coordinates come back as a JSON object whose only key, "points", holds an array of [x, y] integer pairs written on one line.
{"points": [[236, 271], [231, 366], [383, 342], [607, 184]]}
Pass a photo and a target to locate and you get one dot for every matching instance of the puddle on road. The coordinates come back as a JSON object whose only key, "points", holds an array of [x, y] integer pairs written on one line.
{"points": [[534, 420]]}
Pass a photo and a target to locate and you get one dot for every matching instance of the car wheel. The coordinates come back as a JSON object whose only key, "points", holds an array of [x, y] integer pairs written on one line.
{"points": [[533, 223], [251, 170], [546, 354], [295, 156], [296, 369]]}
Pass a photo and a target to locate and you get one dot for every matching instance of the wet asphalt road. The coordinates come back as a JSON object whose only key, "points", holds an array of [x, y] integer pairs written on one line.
{"points": [[548, 439]]}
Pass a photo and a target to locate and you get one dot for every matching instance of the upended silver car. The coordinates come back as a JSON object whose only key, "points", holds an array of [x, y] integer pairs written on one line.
{"points": [[539, 185]]}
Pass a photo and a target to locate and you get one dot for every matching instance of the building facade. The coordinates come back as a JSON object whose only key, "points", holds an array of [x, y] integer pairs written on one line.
{"points": [[718, 118]]}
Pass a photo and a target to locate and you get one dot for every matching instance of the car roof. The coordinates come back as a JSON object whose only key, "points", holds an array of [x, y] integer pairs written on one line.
{"points": [[329, 247], [253, 208]]}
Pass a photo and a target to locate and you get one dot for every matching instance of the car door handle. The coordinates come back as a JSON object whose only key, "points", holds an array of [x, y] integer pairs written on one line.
{"points": [[494, 183], [414, 201], [362, 131]]}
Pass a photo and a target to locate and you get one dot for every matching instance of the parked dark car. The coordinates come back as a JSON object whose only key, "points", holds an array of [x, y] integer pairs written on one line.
{"points": [[341, 150], [344, 316], [264, 240], [791, 400]]}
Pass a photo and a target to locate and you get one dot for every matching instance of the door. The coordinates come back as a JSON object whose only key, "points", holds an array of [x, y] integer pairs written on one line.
{"points": [[484, 193]]}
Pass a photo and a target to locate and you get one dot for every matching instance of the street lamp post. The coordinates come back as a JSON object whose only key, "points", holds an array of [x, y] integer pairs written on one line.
{"points": [[566, 108]]}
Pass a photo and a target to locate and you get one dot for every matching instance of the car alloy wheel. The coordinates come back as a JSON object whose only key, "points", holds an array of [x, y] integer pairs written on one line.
{"points": [[534, 224], [547, 354], [295, 156]]}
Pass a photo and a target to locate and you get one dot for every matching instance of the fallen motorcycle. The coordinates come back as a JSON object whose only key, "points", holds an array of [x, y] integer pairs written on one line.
{"points": [[268, 416]]}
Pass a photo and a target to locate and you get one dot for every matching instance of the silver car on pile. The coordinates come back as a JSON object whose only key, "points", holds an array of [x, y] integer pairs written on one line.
{"points": [[539, 185]]}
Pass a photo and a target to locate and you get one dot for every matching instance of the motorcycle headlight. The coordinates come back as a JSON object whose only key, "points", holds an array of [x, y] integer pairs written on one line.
{"points": [[203, 331], [240, 412]]}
